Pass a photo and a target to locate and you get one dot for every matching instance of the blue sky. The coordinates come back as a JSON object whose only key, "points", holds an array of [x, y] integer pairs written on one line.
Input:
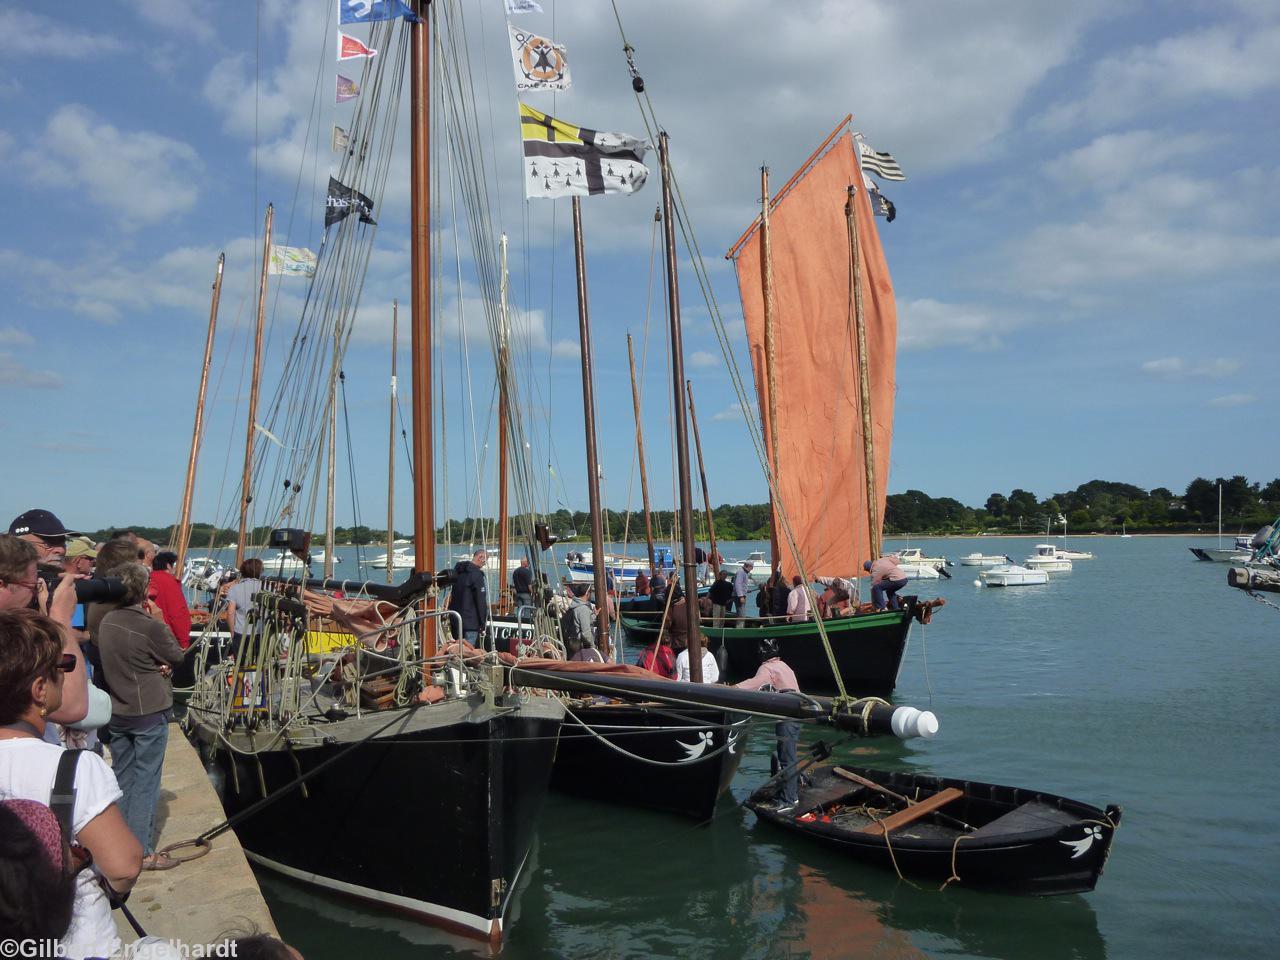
{"points": [[1084, 258]]}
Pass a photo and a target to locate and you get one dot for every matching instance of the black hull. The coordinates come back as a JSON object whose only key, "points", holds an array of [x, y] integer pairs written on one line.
{"points": [[432, 818], [1062, 851], [690, 771], [868, 649]]}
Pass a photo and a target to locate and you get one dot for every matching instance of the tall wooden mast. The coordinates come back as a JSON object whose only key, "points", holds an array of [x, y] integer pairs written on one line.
{"points": [[504, 378], [424, 532], [864, 373], [391, 444], [182, 535], [770, 363], [713, 557], [246, 493], [332, 464], [682, 426], [589, 419], [644, 477]]}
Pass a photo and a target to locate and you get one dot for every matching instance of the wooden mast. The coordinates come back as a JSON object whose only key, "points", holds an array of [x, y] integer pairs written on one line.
{"points": [[504, 360], [770, 366], [712, 558], [424, 533], [391, 444], [644, 478], [183, 533], [589, 420], [864, 373], [246, 495], [332, 463], [682, 426]]}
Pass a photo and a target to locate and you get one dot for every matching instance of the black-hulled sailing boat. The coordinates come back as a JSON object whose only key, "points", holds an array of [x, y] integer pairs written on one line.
{"points": [[826, 401], [424, 775]]}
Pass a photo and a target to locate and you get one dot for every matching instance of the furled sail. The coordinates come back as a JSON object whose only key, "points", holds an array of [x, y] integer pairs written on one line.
{"points": [[821, 472]]}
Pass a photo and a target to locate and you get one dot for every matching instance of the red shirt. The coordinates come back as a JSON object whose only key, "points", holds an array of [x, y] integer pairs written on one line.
{"points": [[663, 663], [167, 593]]}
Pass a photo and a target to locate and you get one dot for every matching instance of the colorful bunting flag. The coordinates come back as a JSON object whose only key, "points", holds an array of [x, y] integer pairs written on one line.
{"points": [[349, 48], [348, 89], [291, 262], [539, 64], [562, 160]]}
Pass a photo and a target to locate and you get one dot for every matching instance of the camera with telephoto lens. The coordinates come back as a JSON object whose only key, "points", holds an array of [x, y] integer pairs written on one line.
{"points": [[94, 590]]}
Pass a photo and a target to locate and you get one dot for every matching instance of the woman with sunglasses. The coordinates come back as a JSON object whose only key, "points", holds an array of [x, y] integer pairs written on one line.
{"points": [[33, 669]]}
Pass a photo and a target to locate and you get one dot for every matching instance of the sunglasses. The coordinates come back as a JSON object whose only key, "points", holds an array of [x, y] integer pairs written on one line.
{"points": [[67, 663], [58, 541]]}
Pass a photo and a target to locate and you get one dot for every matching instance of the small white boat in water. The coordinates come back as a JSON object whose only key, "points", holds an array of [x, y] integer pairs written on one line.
{"points": [[984, 560], [402, 558], [1047, 558], [916, 555], [1075, 554], [1013, 576]]}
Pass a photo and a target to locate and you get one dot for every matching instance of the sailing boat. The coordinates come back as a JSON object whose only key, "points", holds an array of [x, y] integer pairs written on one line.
{"points": [[812, 407], [1241, 552], [422, 776]]}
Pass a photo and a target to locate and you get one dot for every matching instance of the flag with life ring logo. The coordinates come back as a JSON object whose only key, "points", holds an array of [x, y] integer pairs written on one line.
{"points": [[539, 64]]}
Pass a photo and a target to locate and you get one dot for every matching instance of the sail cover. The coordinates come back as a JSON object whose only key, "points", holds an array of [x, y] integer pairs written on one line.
{"points": [[820, 472]]}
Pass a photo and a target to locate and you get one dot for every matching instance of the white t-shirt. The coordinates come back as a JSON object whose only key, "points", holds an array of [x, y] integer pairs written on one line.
{"points": [[27, 770], [710, 670]]}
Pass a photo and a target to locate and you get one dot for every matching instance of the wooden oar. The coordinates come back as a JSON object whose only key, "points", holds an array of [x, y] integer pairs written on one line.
{"points": [[863, 781]]}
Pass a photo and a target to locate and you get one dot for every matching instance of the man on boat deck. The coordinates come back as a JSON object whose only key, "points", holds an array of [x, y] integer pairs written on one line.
{"points": [[798, 601], [887, 578], [721, 596], [522, 584], [741, 581], [775, 675], [469, 596], [836, 597]]}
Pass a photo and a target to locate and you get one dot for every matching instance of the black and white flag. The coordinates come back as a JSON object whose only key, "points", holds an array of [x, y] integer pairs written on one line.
{"points": [[343, 201], [881, 205], [881, 164]]}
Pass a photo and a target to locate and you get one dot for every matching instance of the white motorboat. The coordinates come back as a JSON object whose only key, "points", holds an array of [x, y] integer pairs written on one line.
{"points": [[984, 560], [922, 571], [916, 555], [202, 573], [280, 563], [582, 567], [402, 558], [1075, 554], [1013, 575], [1046, 558], [761, 568]]}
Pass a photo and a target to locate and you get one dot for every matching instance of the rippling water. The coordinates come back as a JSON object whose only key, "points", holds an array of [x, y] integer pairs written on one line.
{"points": [[1139, 678]]}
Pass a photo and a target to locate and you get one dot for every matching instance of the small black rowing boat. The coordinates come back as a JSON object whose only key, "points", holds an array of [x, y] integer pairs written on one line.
{"points": [[979, 834]]}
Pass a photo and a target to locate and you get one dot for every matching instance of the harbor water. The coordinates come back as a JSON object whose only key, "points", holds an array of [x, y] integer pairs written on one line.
{"points": [[1139, 678]]}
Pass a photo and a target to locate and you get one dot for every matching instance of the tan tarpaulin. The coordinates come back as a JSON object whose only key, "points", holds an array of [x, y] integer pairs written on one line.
{"points": [[821, 468]]}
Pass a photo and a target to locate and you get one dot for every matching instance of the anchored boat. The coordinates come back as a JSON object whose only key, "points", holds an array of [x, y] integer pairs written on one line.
{"points": [[979, 835]]}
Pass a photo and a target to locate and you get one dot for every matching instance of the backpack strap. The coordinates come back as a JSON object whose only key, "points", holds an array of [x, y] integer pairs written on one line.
{"points": [[62, 800]]}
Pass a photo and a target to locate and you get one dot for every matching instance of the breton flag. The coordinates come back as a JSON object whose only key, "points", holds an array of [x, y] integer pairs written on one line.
{"points": [[539, 64], [522, 6], [349, 48], [881, 205], [562, 160], [881, 164], [291, 262], [343, 201], [340, 139], [348, 89], [367, 11]]}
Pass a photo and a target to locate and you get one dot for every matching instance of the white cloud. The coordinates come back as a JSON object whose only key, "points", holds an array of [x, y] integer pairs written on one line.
{"points": [[1230, 62], [924, 324], [28, 34], [16, 374], [142, 177], [731, 412], [566, 350], [1178, 367], [703, 358], [178, 17], [1123, 156], [13, 337], [1233, 400]]}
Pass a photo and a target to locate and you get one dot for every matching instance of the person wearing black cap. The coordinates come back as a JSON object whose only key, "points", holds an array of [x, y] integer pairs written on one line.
{"points": [[45, 532]]}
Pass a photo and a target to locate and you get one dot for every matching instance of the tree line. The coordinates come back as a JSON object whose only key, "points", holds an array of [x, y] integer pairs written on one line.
{"points": [[1099, 506]]}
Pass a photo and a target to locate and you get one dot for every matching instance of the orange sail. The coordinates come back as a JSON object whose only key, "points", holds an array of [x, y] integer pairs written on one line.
{"points": [[821, 469]]}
